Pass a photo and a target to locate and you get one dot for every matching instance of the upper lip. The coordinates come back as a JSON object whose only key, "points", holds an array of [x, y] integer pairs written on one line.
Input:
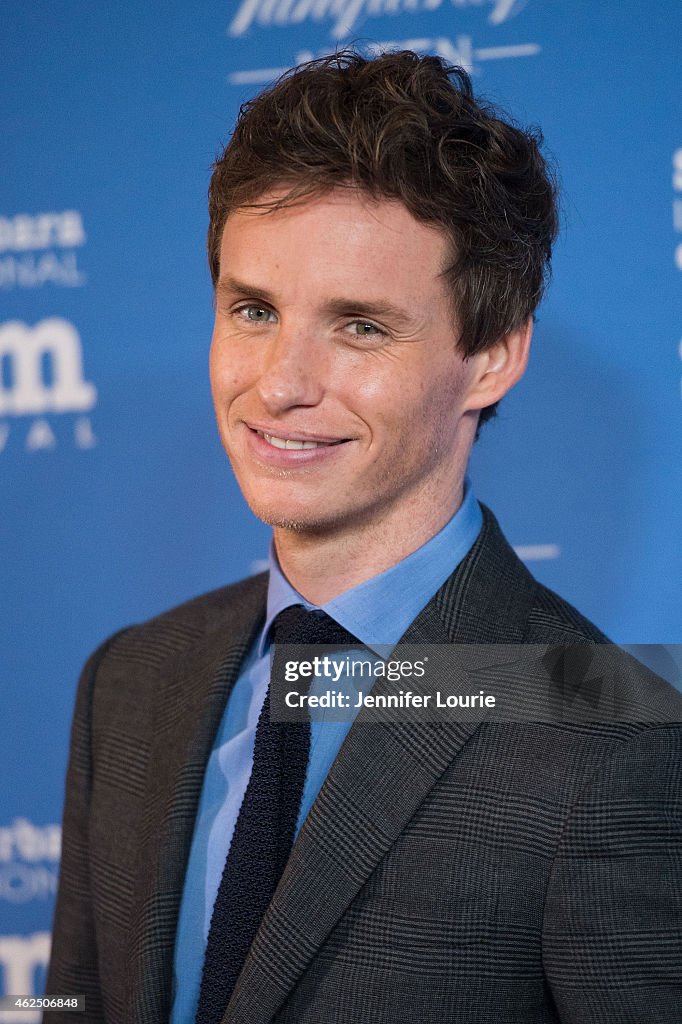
{"points": [[293, 435]]}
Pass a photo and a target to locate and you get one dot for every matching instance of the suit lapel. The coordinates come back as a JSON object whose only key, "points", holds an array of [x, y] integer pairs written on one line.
{"points": [[191, 699], [382, 774]]}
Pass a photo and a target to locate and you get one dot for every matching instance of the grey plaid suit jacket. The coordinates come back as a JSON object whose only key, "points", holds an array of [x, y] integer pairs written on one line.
{"points": [[463, 872]]}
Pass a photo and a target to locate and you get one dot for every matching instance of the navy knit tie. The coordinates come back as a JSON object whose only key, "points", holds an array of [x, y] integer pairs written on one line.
{"points": [[264, 832]]}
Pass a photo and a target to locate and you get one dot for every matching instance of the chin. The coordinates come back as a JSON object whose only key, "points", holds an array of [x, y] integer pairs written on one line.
{"points": [[279, 517], [298, 519]]}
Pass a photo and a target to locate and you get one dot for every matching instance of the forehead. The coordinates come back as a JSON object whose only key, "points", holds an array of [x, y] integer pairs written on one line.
{"points": [[343, 231]]}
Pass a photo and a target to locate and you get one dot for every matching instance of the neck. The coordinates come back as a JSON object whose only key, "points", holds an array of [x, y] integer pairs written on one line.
{"points": [[359, 552]]}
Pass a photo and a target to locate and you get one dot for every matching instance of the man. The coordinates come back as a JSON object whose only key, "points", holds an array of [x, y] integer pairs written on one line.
{"points": [[378, 242]]}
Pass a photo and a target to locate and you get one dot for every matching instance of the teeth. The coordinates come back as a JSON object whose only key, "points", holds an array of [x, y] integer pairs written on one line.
{"points": [[280, 442]]}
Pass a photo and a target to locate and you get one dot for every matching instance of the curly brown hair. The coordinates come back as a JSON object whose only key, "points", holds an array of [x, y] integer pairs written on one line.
{"points": [[405, 127]]}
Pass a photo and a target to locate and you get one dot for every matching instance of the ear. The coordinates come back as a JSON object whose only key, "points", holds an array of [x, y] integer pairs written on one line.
{"points": [[496, 370]]}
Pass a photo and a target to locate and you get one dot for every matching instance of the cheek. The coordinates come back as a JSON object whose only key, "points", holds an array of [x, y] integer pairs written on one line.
{"points": [[420, 412], [228, 372], [377, 387], [394, 417]]}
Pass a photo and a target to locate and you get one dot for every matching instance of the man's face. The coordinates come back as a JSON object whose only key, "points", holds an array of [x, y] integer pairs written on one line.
{"points": [[334, 337]]}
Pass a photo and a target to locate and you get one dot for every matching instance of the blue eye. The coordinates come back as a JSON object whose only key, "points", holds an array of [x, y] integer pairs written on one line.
{"points": [[261, 314]]}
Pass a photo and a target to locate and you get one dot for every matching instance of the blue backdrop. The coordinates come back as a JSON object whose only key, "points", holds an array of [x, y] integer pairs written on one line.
{"points": [[117, 500]]}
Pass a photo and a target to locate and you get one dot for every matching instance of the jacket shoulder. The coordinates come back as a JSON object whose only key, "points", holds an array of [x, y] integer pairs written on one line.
{"points": [[638, 696], [231, 609]]}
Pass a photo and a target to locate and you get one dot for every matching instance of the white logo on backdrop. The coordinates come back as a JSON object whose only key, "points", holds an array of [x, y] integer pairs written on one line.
{"points": [[677, 204], [20, 957], [345, 14], [25, 390], [459, 50], [677, 219], [37, 249], [29, 857], [537, 552]]}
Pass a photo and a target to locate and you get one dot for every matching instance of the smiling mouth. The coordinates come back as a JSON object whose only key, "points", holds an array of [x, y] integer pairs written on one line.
{"points": [[289, 445]]}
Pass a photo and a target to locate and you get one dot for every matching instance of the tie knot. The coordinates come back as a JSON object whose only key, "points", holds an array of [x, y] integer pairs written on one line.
{"points": [[296, 625]]}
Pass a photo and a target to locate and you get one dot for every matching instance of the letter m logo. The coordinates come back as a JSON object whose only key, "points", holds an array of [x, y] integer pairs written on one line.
{"points": [[25, 387]]}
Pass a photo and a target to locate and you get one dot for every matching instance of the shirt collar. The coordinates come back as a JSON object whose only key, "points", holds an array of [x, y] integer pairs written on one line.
{"points": [[379, 610]]}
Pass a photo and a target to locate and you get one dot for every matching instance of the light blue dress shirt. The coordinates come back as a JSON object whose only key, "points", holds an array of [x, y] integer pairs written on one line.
{"points": [[378, 612]]}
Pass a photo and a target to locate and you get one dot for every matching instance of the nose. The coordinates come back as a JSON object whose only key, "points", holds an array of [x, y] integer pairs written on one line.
{"points": [[292, 371]]}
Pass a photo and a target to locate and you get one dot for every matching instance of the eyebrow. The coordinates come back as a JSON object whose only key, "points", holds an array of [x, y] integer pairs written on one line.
{"points": [[379, 309]]}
